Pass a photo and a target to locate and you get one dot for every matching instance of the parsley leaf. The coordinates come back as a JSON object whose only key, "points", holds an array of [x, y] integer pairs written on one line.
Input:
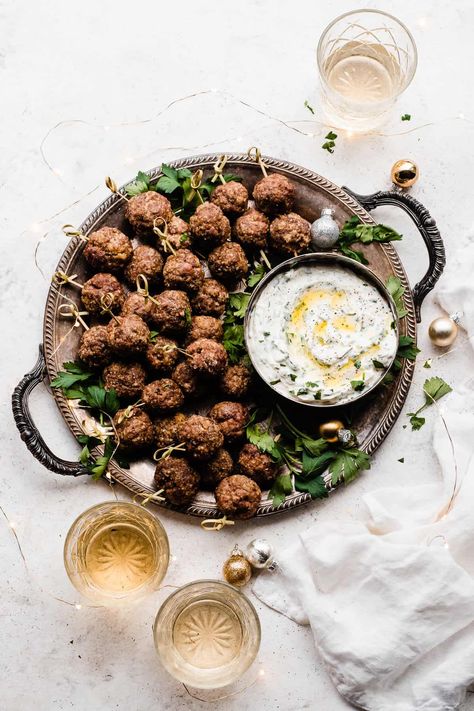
{"points": [[281, 487], [396, 289], [308, 106], [73, 373], [256, 275], [141, 184], [358, 385], [315, 487], [354, 230], [434, 389], [406, 117], [347, 464]]}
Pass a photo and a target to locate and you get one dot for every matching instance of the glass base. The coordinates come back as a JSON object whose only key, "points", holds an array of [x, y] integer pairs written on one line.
{"points": [[355, 123]]}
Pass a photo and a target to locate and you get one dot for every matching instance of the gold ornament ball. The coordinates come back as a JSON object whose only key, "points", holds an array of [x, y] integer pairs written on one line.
{"points": [[405, 173], [237, 570], [443, 331], [329, 430]]}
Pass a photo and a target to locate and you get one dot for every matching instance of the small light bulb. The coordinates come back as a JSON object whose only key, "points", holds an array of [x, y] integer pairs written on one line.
{"points": [[57, 171], [106, 128], [461, 116], [422, 22], [261, 672], [78, 606], [12, 524]]}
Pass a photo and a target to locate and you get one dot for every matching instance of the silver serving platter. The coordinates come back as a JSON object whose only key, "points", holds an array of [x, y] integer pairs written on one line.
{"points": [[372, 418]]}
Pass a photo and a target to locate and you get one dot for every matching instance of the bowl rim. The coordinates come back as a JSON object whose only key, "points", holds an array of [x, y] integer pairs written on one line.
{"points": [[321, 257]]}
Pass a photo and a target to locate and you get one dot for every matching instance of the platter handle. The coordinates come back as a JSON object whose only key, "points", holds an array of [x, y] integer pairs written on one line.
{"points": [[426, 227], [29, 432]]}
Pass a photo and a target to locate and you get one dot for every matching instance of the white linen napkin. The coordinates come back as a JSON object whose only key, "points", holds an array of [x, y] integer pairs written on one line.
{"points": [[391, 599]]}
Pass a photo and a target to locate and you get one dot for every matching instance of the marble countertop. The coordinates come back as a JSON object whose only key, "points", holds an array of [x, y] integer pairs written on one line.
{"points": [[87, 90]]}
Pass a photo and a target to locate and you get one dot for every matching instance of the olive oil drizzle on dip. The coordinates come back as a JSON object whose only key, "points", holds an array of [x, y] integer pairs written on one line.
{"points": [[316, 330]]}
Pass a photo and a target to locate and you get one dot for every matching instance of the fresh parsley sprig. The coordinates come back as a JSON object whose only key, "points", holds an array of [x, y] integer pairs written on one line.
{"points": [[434, 389], [302, 457], [77, 383], [330, 142], [354, 231], [233, 340], [176, 184]]}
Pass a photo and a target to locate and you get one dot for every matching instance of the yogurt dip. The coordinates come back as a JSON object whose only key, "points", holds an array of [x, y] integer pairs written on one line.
{"points": [[321, 332]]}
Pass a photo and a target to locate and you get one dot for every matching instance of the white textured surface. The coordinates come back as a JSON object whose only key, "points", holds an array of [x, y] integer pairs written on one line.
{"points": [[113, 62]]}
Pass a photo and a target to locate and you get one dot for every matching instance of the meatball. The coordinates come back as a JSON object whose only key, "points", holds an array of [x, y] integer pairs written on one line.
{"points": [[128, 334], [235, 381], [127, 379], [209, 226], [134, 429], [178, 234], [251, 229], [202, 437], [162, 354], [205, 327], [256, 465], [232, 418], [228, 263], [290, 234], [102, 291], [274, 194], [143, 209], [179, 481], [231, 197], [147, 261], [216, 469], [211, 299], [174, 311], [168, 430], [107, 250], [94, 349], [207, 357], [187, 380], [139, 305], [163, 394], [183, 270], [238, 496]]}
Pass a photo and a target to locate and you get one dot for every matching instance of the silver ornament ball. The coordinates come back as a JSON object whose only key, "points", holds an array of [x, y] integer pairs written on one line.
{"points": [[259, 553], [324, 231]]}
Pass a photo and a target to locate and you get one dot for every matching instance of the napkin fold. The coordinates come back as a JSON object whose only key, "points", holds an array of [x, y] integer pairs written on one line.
{"points": [[390, 599]]}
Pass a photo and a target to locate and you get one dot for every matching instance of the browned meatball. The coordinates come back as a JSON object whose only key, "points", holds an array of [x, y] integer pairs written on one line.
{"points": [[205, 327], [179, 481], [183, 270], [228, 263], [147, 261], [174, 312], [102, 291], [256, 465], [134, 429], [274, 194], [168, 430], [187, 380], [163, 394], [207, 357], [107, 250], [238, 496], [94, 349], [178, 234], [251, 229], [216, 469], [290, 234], [231, 197], [232, 418], [143, 209], [236, 380], [201, 436], [128, 335], [139, 305], [209, 226], [211, 299], [127, 379], [162, 354]]}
